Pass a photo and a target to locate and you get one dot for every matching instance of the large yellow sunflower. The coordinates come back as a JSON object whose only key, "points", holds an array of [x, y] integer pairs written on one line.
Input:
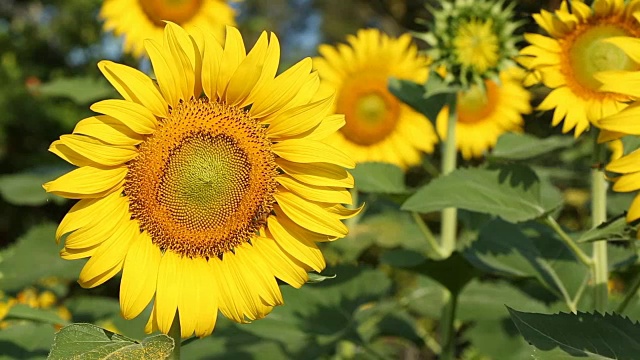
{"points": [[379, 127], [485, 114], [576, 50], [203, 200], [138, 20]]}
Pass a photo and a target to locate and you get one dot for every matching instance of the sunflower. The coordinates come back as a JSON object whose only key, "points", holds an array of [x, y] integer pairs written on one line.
{"points": [[472, 40], [207, 185], [628, 166], [378, 127], [578, 48], [485, 113], [138, 20]]}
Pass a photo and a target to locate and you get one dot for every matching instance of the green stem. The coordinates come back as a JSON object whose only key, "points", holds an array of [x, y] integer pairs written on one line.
{"points": [[598, 216], [176, 335], [631, 293], [449, 156], [428, 235], [567, 240], [447, 328]]}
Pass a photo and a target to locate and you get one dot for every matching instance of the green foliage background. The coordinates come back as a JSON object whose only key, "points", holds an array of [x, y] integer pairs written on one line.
{"points": [[389, 292]]}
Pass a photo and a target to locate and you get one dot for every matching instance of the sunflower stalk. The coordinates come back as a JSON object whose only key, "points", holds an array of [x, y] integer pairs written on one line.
{"points": [[447, 327], [598, 216], [176, 334], [449, 157]]}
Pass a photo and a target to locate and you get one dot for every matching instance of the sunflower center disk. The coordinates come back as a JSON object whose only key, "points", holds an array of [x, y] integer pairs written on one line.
{"points": [[203, 183], [178, 11], [477, 46], [370, 110], [590, 54], [477, 103], [204, 178]]}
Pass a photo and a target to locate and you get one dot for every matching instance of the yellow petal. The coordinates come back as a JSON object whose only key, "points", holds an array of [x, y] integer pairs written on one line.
{"points": [[315, 193], [247, 74], [263, 281], [298, 120], [269, 67], [211, 66], [86, 151], [340, 211], [184, 67], [135, 116], [70, 156], [189, 296], [109, 257], [243, 289], [319, 174], [281, 264], [87, 182], [275, 94], [309, 215], [630, 45], [231, 306], [232, 55], [165, 72], [108, 130], [330, 125], [103, 223], [619, 81], [75, 254], [207, 300], [139, 275], [626, 164], [309, 151], [627, 182], [134, 86], [634, 209], [625, 121], [83, 212], [168, 291], [296, 244]]}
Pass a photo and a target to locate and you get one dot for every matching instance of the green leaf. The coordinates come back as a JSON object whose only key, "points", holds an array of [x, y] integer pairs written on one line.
{"points": [[453, 272], [81, 90], [529, 250], [37, 246], [374, 177], [583, 335], [101, 311], [26, 188], [512, 192], [615, 228], [26, 340], [402, 258], [317, 317], [24, 312], [511, 146], [427, 99], [89, 342], [491, 332]]}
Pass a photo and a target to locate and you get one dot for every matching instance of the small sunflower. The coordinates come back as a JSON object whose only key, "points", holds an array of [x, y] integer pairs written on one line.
{"points": [[485, 113], [379, 127], [138, 20], [207, 185], [577, 50], [472, 40]]}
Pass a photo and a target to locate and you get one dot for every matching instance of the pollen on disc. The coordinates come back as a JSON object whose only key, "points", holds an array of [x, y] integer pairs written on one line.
{"points": [[204, 181]]}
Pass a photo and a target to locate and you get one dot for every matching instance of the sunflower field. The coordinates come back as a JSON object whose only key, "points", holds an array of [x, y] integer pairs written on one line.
{"points": [[319, 179]]}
